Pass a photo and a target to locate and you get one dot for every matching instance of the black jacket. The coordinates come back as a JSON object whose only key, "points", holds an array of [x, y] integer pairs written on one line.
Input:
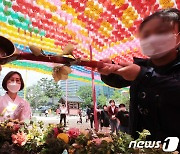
{"points": [[154, 98], [105, 118], [123, 117]]}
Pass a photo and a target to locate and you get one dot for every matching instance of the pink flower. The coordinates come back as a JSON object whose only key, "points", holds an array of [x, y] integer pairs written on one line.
{"points": [[73, 132], [16, 127], [97, 141], [56, 131], [19, 139]]}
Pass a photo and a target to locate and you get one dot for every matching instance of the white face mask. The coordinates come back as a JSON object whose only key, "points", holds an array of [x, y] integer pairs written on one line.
{"points": [[157, 46], [13, 87]]}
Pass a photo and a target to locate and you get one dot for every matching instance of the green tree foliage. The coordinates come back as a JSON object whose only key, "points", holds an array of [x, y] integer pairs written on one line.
{"points": [[40, 93], [125, 99], [116, 95], [50, 88], [85, 93], [36, 97], [121, 97], [102, 100]]}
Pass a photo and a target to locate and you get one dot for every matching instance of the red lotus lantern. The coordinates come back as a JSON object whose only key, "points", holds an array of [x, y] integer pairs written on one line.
{"points": [[16, 8], [36, 9], [131, 29], [48, 15], [124, 6]]}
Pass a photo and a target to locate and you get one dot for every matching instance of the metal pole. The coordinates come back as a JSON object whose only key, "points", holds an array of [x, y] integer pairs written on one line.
{"points": [[67, 95], [94, 95]]}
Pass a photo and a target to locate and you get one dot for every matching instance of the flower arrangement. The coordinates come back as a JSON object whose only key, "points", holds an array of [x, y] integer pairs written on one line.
{"points": [[37, 138], [20, 138], [73, 132]]}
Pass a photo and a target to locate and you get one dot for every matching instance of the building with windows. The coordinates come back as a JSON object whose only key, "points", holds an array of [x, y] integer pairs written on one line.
{"points": [[72, 86], [108, 91], [73, 104]]}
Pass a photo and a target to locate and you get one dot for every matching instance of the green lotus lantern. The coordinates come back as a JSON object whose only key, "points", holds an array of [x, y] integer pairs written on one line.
{"points": [[42, 33], [14, 15], [7, 3], [36, 30], [21, 18], [7, 12], [17, 23], [24, 26], [30, 28], [3, 18], [11, 21]]}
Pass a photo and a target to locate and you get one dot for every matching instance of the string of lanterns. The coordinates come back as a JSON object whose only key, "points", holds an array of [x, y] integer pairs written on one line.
{"points": [[110, 26]]}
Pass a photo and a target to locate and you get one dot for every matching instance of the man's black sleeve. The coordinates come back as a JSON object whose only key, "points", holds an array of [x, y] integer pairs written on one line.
{"points": [[115, 80]]}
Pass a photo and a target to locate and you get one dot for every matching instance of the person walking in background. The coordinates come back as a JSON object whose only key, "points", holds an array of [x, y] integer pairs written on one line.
{"points": [[80, 116], [57, 111], [105, 119], [123, 117], [87, 113], [46, 112], [112, 111], [49, 111], [99, 117], [91, 116], [63, 112]]}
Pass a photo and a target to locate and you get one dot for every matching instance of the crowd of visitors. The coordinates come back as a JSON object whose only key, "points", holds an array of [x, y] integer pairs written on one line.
{"points": [[115, 117], [111, 118]]}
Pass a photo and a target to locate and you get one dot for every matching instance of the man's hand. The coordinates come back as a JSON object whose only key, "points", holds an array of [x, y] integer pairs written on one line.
{"points": [[129, 72], [108, 67]]}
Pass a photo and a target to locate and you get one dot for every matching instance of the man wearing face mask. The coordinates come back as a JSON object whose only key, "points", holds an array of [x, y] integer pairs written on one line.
{"points": [[11, 105], [154, 82]]}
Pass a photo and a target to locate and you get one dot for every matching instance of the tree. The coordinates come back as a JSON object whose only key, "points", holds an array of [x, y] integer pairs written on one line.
{"points": [[101, 100], [50, 88], [44, 90], [85, 92], [121, 97], [36, 96], [125, 99], [116, 95]]}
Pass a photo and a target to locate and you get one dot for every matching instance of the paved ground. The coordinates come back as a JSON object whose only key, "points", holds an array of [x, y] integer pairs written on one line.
{"points": [[71, 121]]}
